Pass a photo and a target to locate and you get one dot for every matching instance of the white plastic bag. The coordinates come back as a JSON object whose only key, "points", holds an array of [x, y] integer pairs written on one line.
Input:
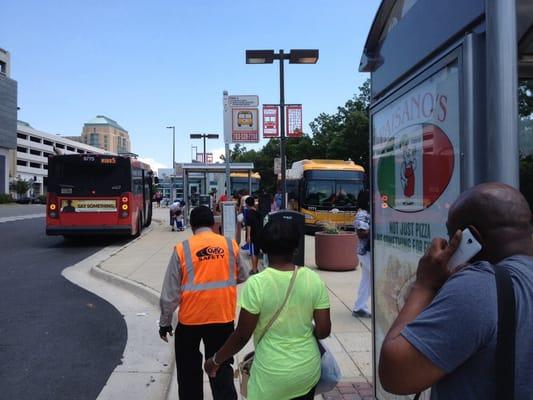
{"points": [[245, 261], [330, 373]]}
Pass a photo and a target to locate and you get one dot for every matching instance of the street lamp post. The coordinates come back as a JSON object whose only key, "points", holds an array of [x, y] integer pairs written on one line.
{"points": [[204, 136], [173, 162], [307, 56]]}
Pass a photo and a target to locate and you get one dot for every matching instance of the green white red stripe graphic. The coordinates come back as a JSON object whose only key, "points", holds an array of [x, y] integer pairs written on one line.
{"points": [[414, 167]]}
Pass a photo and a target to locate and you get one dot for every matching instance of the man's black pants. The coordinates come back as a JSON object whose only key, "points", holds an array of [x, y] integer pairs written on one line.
{"points": [[189, 361]]}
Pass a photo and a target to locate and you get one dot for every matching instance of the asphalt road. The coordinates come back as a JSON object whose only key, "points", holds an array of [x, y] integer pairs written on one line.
{"points": [[13, 209], [57, 341]]}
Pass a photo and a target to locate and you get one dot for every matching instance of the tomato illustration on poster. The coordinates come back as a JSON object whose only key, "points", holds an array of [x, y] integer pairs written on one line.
{"points": [[416, 173]]}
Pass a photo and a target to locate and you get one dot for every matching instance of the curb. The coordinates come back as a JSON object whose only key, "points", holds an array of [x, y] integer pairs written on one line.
{"points": [[136, 288], [144, 292]]}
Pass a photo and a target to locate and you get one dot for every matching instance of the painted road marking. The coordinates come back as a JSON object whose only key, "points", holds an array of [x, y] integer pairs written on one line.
{"points": [[21, 217]]}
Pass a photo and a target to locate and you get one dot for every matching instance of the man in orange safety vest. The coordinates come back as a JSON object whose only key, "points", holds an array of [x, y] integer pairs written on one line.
{"points": [[201, 279]]}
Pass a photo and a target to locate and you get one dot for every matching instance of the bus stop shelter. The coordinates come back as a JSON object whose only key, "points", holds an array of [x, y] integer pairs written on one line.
{"points": [[212, 168], [444, 117]]}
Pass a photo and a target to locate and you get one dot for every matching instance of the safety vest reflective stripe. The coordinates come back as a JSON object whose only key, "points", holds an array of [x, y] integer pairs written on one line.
{"points": [[192, 287]]}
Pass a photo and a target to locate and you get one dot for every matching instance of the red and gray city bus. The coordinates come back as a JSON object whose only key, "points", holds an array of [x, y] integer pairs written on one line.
{"points": [[93, 194]]}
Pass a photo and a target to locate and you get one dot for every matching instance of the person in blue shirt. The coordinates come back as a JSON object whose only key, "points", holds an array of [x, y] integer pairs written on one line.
{"points": [[446, 333]]}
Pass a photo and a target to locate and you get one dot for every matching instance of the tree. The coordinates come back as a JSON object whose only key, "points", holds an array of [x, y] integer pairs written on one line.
{"points": [[20, 186], [344, 135], [525, 99], [235, 153]]}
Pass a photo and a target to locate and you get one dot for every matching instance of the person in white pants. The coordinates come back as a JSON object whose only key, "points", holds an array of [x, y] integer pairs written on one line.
{"points": [[362, 227]]}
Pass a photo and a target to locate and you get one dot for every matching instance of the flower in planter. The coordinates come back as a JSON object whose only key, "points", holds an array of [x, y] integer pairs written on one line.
{"points": [[330, 227]]}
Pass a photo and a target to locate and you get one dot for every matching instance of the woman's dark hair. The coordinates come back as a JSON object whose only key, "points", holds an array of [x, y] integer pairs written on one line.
{"points": [[279, 237], [202, 216]]}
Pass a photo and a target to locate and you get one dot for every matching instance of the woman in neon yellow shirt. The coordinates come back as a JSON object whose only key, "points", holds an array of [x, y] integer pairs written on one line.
{"points": [[287, 360]]}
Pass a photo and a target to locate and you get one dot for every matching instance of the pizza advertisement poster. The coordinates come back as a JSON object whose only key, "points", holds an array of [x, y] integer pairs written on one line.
{"points": [[416, 175]]}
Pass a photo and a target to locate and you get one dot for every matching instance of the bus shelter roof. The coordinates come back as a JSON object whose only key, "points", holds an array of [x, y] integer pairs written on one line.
{"points": [[217, 167], [397, 22]]}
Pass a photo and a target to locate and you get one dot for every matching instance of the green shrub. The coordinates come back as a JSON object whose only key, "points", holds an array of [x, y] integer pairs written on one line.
{"points": [[5, 198], [42, 199]]}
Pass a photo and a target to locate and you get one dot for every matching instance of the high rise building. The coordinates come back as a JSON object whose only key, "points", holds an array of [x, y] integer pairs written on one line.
{"points": [[105, 133], [8, 119]]}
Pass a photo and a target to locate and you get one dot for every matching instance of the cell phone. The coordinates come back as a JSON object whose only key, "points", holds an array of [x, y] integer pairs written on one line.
{"points": [[467, 249]]}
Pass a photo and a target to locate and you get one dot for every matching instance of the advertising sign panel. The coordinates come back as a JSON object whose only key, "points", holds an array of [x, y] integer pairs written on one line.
{"points": [[243, 101], [416, 177], [294, 120], [245, 127], [229, 219], [96, 205], [277, 165], [237, 128], [270, 121]]}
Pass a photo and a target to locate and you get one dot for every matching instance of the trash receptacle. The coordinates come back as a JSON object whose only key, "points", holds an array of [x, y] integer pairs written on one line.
{"points": [[299, 254]]}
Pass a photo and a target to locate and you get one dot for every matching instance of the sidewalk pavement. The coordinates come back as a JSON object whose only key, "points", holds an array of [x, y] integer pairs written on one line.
{"points": [[142, 265]]}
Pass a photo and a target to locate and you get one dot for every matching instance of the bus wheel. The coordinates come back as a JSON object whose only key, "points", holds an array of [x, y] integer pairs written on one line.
{"points": [[139, 226]]}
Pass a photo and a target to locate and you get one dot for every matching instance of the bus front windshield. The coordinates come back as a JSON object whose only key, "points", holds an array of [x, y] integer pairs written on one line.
{"points": [[69, 176], [333, 193]]}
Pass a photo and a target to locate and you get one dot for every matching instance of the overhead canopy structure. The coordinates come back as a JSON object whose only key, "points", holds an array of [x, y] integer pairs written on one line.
{"points": [[212, 168]]}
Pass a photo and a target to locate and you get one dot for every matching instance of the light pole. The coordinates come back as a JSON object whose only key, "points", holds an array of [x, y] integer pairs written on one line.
{"points": [[307, 56], [173, 162], [204, 136]]}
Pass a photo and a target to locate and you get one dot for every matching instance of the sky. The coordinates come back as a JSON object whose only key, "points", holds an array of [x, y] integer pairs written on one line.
{"points": [[151, 64]]}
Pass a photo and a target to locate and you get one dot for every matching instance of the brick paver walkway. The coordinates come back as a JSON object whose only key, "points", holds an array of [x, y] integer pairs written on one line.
{"points": [[351, 391]]}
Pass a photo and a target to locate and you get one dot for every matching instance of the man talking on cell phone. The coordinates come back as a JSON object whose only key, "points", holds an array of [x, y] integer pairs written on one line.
{"points": [[447, 335]]}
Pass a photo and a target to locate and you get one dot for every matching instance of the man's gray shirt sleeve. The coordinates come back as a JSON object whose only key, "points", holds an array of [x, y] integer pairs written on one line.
{"points": [[171, 290], [460, 320], [242, 273]]}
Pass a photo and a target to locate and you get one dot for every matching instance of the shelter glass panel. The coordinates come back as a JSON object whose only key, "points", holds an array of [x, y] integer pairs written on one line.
{"points": [[416, 177], [525, 138]]}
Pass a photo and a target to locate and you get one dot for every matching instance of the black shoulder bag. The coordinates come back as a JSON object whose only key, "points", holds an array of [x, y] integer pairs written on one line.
{"points": [[505, 345], [505, 341]]}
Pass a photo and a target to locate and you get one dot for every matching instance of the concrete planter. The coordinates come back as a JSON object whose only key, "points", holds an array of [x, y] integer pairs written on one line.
{"points": [[336, 251]]}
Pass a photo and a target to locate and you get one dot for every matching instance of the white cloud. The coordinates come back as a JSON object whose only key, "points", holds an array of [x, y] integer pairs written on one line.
{"points": [[154, 164]]}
